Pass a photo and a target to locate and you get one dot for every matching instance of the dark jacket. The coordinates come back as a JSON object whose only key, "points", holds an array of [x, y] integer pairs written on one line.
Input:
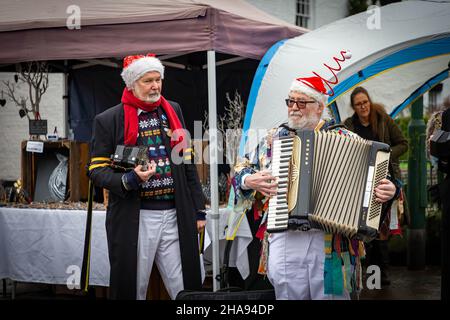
{"points": [[446, 120], [388, 132], [122, 218]]}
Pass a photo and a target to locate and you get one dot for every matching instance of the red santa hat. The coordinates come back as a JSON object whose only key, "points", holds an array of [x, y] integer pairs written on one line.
{"points": [[312, 87], [136, 66]]}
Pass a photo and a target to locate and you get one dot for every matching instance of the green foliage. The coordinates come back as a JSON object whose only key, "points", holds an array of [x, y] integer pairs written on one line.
{"points": [[403, 123]]}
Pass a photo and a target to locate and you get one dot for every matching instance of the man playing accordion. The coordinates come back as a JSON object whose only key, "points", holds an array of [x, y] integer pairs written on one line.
{"points": [[302, 265]]}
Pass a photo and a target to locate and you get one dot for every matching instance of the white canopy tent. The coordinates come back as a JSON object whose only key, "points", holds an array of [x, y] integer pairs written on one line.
{"points": [[399, 52]]}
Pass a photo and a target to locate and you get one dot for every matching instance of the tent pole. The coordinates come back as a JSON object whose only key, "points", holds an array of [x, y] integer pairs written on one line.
{"points": [[214, 214], [65, 132]]}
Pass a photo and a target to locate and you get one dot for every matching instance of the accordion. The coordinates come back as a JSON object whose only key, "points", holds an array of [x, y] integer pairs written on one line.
{"points": [[327, 181]]}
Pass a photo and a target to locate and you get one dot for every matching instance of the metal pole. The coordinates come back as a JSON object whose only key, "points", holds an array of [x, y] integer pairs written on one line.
{"points": [[13, 290], [445, 239], [417, 183], [213, 156], [65, 132]]}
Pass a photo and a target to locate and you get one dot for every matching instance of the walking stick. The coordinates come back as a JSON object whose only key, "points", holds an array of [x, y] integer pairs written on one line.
{"points": [[85, 267]]}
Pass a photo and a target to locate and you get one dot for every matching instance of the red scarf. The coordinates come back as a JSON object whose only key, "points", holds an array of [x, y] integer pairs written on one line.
{"points": [[130, 107]]}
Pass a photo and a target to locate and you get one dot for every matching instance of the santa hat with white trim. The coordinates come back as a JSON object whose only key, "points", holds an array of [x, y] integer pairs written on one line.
{"points": [[312, 87], [135, 67]]}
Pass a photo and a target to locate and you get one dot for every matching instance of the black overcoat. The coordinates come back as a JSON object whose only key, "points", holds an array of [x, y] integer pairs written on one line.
{"points": [[122, 216]]}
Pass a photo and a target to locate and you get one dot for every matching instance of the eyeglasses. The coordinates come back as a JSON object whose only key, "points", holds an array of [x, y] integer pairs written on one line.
{"points": [[301, 104], [361, 104]]}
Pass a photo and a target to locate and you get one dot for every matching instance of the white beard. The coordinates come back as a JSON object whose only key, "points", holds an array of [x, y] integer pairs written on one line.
{"points": [[151, 98], [303, 122]]}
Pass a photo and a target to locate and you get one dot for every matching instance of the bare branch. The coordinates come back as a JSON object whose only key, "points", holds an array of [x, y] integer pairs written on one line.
{"points": [[35, 75], [30, 94], [205, 120], [11, 93], [43, 83], [24, 107], [230, 124]]}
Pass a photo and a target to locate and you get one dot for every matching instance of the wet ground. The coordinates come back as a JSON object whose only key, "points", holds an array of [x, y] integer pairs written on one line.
{"points": [[408, 285], [405, 285]]}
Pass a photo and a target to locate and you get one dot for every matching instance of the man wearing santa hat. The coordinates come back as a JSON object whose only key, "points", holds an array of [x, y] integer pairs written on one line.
{"points": [[150, 217], [301, 265]]}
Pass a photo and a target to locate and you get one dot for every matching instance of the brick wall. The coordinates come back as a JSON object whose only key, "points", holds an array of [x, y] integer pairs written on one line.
{"points": [[14, 129]]}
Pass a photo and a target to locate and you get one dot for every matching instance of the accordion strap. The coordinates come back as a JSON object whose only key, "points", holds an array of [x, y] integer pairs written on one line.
{"points": [[318, 127], [285, 126], [335, 126]]}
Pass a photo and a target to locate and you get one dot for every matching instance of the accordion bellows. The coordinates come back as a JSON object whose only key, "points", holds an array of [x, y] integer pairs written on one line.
{"points": [[327, 181]]}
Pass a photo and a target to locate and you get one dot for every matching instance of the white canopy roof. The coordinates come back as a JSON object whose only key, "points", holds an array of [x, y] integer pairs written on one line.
{"points": [[397, 60]]}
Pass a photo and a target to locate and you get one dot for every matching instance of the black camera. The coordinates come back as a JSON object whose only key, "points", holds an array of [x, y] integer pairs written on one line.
{"points": [[126, 158], [440, 148]]}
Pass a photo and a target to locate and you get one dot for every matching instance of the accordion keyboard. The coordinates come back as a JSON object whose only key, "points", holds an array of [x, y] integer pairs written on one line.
{"points": [[278, 207], [327, 181]]}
